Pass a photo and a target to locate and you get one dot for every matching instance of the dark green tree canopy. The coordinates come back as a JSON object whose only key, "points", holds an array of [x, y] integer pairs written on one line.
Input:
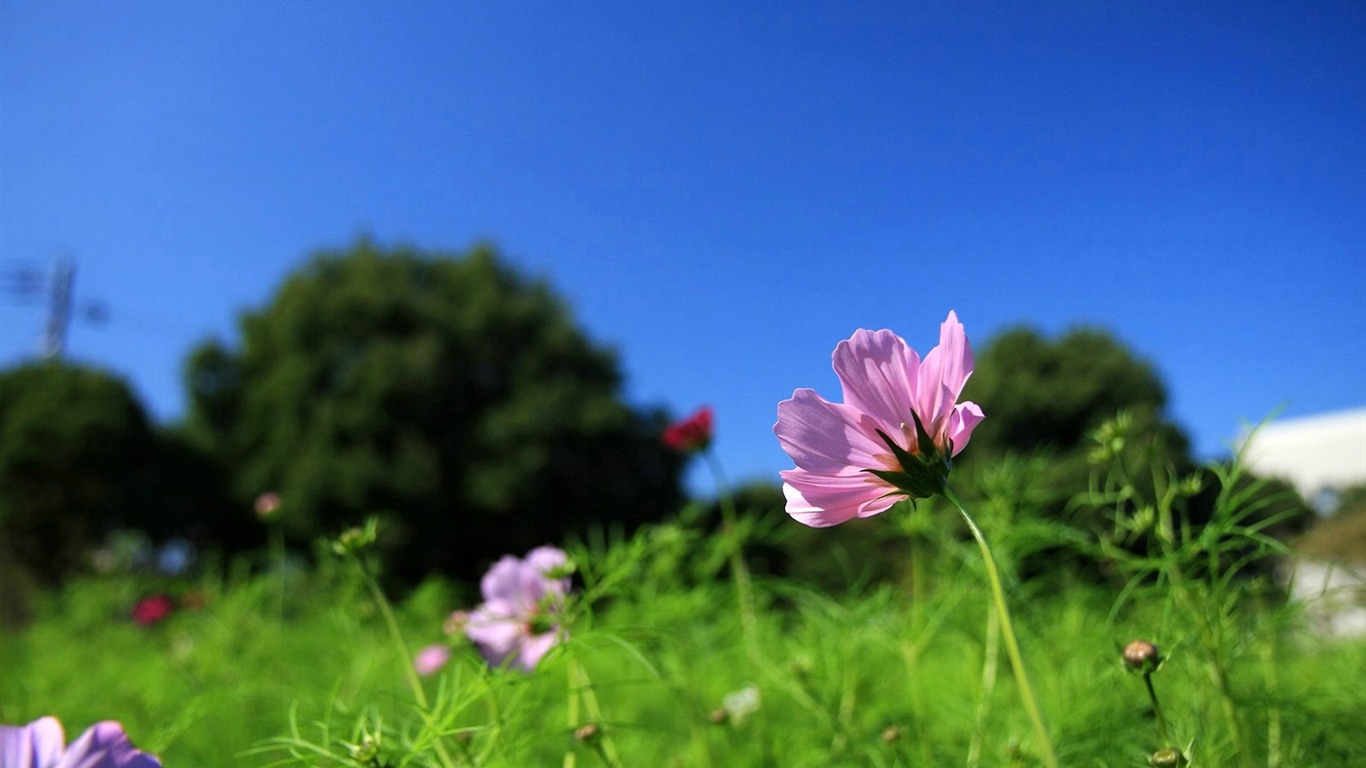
{"points": [[75, 447], [446, 391], [1042, 393]]}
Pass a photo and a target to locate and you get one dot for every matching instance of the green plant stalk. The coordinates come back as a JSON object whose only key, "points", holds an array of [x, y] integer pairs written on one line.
{"points": [[572, 715], [584, 688], [1157, 709], [739, 569], [1208, 630], [387, 611], [911, 651], [1008, 634], [990, 664], [1273, 718]]}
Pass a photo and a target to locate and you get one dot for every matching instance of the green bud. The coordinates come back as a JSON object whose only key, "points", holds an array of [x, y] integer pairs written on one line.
{"points": [[353, 541], [1167, 757]]}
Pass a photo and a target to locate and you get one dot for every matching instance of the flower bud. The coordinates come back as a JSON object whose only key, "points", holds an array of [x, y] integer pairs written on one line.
{"points": [[890, 734], [455, 623], [267, 504], [1167, 757], [587, 734], [1141, 656], [692, 434]]}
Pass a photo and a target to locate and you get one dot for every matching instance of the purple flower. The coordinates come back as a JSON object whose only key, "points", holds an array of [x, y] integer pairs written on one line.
{"points": [[519, 619], [42, 744], [893, 435]]}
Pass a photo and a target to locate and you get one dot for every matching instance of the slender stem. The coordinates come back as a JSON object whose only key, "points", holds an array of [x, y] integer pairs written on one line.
{"points": [[396, 635], [590, 701], [990, 663], [572, 715], [739, 569], [1008, 634], [1157, 708]]}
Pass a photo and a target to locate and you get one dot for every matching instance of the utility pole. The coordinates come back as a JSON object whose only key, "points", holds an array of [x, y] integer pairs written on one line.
{"points": [[25, 283], [59, 307]]}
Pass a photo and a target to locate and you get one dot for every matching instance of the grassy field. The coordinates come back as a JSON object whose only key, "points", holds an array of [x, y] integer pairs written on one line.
{"points": [[677, 656]]}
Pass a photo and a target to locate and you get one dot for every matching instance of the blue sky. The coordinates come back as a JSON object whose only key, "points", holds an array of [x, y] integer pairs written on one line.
{"points": [[721, 190]]}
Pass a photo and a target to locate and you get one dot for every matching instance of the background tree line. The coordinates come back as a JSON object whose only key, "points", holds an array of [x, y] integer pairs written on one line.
{"points": [[459, 400]]}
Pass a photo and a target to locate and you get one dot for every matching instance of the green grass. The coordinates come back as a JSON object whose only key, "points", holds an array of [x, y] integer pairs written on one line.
{"points": [[302, 670]]}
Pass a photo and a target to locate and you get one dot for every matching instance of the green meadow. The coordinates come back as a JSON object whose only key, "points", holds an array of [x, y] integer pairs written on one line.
{"points": [[686, 647]]}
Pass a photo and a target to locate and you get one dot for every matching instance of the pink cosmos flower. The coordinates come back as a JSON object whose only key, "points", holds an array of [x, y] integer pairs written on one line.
{"points": [[691, 434], [892, 437], [518, 621], [431, 659], [42, 744]]}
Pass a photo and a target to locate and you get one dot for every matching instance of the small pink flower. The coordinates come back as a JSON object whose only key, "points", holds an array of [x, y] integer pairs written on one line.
{"points": [[267, 504], [518, 622], [149, 610], [892, 437], [431, 659], [691, 434], [42, 744]]}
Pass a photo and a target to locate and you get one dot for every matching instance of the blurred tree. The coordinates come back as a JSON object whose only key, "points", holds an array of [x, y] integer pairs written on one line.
{"points": [[1079, 396], [75, 447], [1040, 393], [445, 392]]}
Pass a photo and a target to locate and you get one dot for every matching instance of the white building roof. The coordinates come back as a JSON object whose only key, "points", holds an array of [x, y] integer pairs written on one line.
{"points": [[1317, 454]]}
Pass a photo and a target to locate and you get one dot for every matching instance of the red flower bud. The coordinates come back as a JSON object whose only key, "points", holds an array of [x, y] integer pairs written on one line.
{"points": [[691, 434]]}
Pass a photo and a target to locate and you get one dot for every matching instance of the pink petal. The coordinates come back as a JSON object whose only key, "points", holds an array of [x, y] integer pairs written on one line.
{"points": [[878, 372], [821, 501], [495, 629], [942, 375], [966, 416], [534, 648], [503, 581], [36, 745], [431, 659], [828, 438]]}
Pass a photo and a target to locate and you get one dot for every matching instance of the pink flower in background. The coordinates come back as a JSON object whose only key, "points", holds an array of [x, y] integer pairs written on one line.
{"points": [[691, 434], [431, 659], [267, 504], [149, 610], [892, 437], [42, 744], [523, 598]]}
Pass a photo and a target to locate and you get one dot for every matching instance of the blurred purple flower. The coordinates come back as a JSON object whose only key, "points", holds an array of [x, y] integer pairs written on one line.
{"points": [[431, 659], [42, 744], [518, 622], [892, 437]]}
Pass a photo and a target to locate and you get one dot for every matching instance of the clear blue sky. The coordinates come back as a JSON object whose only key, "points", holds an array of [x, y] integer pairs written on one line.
{"points": [[721, 190]]}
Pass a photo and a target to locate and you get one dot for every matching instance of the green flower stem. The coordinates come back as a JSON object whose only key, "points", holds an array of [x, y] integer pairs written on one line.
{"points": [[1157, 708], [1008, 634], [584, 687], [990, 662], [572, 715], [739, 569], [396, 635]]}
